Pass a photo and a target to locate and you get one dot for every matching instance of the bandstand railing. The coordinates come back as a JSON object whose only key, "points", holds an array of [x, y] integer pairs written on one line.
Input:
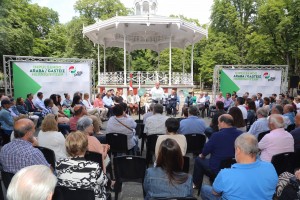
{"points": [[144, 78]]}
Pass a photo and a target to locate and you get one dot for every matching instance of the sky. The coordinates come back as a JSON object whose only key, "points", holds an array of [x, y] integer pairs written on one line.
{"points": [[196, 9]]}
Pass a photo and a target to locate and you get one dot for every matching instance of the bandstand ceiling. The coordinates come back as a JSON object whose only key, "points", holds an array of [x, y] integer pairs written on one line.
{"points": [[144, 32]]}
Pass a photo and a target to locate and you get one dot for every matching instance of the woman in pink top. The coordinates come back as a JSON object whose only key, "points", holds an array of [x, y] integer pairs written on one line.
{"points": [[98, 103], [85, 125]]}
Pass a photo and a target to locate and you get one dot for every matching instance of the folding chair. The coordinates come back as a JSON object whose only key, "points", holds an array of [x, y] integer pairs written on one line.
{"points": [[140, 133], [117, 142], [95, 157], [186, 164], [151, 142], [128, 169], [49, 155], [6, 178], [261, 135], [284, 162], [195, 142], [66, 193]]}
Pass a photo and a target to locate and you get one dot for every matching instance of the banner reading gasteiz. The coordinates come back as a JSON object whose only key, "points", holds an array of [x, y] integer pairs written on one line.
{"points": [[264, 81], [50, 78]]}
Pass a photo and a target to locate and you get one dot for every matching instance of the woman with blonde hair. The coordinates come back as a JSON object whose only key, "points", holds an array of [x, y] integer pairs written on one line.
{"points": [[51, 138], [75, 171], [167, 178]]}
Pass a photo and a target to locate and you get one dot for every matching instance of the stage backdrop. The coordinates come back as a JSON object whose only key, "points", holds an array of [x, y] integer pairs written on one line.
{"points": [[252, 81], [50, 78]]}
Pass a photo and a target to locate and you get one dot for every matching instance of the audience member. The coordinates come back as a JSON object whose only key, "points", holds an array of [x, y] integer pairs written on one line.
{"points": [[228, 102], [21, 107], [38, 102], [132, 102], [6, 120], [296, 132], [148, 114], [213, 127], [89, 175], [249, 178], [260, 100], [85, 125], [67, 102], [240, 104], [108, 103], [277, 141], [145, 103], [56, 108], [167, 178], [35, 182], [220, 97], [98, 103], [172, 126], [251, 112], [30, 105], [120, 123], [20, 153], [220, 146], [261, 124], [172, 103], [266, 104], [51, 138], [48, 103], [238, 120], [156, 123], [192, 124], [289, 114]]}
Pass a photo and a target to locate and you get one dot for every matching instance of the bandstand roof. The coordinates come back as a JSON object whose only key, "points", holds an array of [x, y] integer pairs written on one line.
{"points": [[147, 31]]}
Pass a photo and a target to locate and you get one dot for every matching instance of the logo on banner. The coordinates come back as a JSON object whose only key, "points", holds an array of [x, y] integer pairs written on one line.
{"points": [[73, 71], [267, 76]]}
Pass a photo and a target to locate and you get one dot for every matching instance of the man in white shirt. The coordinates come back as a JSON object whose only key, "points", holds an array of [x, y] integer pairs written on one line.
{"points": [[240, 104], [132, 102], [90, 108], [157, 93]]}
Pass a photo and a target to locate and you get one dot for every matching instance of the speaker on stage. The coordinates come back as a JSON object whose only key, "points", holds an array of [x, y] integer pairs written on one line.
{"points": [[294, 81]]}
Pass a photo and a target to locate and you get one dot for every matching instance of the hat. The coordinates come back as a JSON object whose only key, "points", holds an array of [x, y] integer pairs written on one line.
{"points": [[5, 102]]}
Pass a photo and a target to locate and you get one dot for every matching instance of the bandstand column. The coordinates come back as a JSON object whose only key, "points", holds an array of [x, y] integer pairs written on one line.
{"points": [[192, 64], [125, 60], [99, 64], [104, 63], [170, 61]]}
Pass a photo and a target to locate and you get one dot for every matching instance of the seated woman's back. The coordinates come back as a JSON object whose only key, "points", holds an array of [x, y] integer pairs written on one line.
{"points": [[157, 184], [167, 178], [77, 172]]}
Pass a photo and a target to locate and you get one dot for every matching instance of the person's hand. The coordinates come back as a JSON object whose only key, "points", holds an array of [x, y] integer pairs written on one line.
{"points": [[34, 142], [297, 174]]}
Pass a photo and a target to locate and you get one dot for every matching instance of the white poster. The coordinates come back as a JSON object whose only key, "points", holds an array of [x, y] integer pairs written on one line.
{"points": [[50, 78], [264, 81]]}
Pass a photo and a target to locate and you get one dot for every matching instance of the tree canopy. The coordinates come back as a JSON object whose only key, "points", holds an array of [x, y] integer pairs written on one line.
{"points": [[240, 32]]}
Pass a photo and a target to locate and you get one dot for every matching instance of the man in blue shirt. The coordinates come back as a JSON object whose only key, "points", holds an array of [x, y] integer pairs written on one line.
{"points": [[6, 120], [108, 103], [247, 179], [192, 124], [220, 146], [38, 102]]}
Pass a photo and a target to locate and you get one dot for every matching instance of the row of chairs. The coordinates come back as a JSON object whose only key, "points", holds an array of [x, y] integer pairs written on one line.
{"points": [[133, 172]]}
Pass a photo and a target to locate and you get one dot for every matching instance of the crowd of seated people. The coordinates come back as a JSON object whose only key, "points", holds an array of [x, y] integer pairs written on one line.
{"points": [[226, 138]]}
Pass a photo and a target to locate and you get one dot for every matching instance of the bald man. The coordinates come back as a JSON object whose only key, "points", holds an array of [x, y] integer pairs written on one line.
{"points": [[220, 146], [20, 153], [157, 93], [296, 132], [277, 141]]}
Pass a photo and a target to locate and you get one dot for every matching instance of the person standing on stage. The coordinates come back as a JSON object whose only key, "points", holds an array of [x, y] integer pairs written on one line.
{"points": [[157, 93]]}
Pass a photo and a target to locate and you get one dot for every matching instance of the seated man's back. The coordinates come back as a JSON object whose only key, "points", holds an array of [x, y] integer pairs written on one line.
{"points": [[277, 141], [247, 181], [20, 153], [192, 124], [156, 123]]}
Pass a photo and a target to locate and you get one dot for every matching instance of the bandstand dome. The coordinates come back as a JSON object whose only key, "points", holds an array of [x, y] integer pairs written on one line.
{"points": [[144, 30]]}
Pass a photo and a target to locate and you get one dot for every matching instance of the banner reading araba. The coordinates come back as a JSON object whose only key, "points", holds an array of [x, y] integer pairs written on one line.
{"points": [[50, 78], [264, 81]]}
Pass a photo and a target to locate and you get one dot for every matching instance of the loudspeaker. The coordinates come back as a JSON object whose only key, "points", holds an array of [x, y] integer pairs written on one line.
{"points": [[294, 80]]}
